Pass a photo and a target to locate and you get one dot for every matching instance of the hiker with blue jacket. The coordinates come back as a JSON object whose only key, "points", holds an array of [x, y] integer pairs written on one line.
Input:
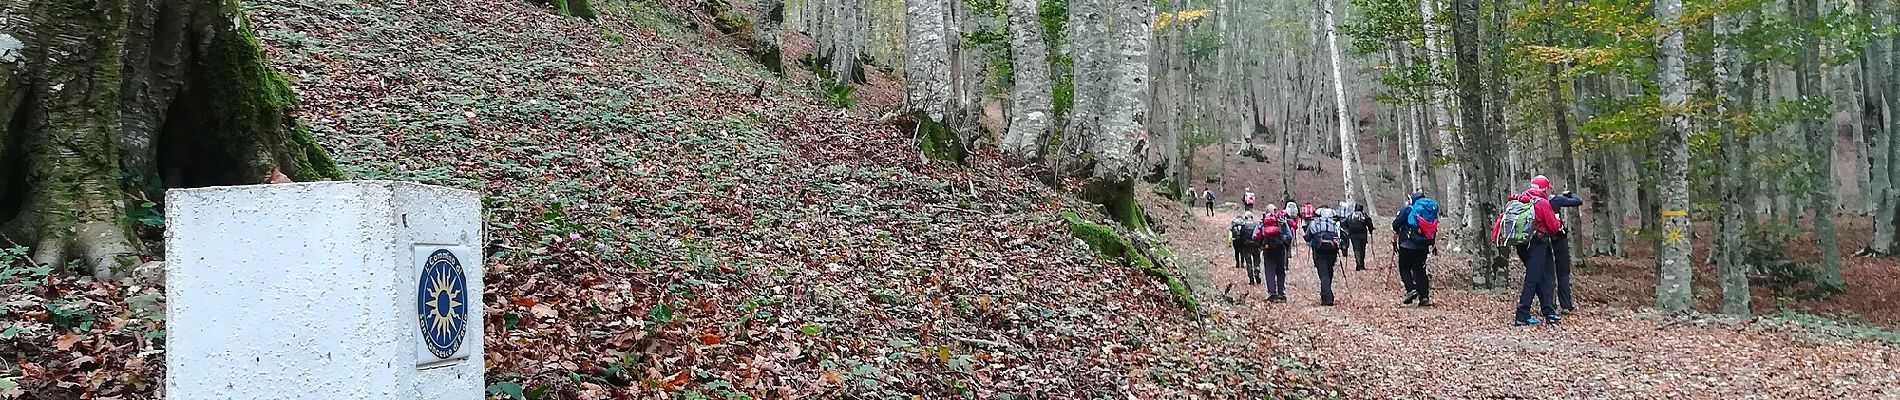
{"points": [[1529, 224], [1325, 240], [1415, 234]]}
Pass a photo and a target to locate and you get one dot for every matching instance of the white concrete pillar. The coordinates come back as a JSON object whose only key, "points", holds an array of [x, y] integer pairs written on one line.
{"points": [[327, 290]]}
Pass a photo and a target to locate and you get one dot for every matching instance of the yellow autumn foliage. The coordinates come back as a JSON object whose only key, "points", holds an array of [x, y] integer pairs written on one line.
{"points": [[1163, 19]]}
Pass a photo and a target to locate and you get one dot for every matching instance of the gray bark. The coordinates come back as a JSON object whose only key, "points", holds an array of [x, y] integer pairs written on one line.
{"points": [[770, 16], [1349, 147], [1673, 290], [927, 69], [1732, 265], [1126, 124], [1876, 101], [1448, 143], [1031, 107], [1820, 141], [1481, 164]]}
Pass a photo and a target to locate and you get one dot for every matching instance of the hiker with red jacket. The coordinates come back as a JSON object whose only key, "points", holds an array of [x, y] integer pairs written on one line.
{"points": [[1534, 249], [1415, 238]]}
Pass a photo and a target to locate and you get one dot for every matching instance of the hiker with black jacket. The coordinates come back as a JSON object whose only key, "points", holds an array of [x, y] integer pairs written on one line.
{"points": [[1246, 252], [1358, 230], [1560, 243]]}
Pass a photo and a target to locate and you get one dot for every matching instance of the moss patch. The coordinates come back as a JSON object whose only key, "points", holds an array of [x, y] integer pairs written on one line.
{"points": [[1119, 199], [1112, 245], [938, 142], [731, 22], [313, 161]]}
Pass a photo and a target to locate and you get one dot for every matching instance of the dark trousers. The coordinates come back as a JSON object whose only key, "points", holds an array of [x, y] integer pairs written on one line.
{"points": [[1210, 208], [1273, 265], [1537, 278], [1250, 260], [1358, 244], [1323, 260], [1560, 255], [1412, 271]]}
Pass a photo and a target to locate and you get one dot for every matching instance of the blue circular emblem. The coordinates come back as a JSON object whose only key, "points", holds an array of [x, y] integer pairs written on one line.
{"points": [[442, 303]]}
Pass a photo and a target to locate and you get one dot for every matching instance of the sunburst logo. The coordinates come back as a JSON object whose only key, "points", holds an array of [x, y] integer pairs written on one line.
{"points": [[442, 304]]}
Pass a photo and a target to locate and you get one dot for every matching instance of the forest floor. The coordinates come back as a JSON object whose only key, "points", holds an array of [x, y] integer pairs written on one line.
{"points": [[1465, 346]]}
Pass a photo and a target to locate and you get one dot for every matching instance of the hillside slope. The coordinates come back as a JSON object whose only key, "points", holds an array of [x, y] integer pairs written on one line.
{"points": [[668, 217]]}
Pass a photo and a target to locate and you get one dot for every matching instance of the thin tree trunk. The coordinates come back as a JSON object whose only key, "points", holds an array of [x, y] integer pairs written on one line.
{"points": [[1349, 152], [1448, 144]]}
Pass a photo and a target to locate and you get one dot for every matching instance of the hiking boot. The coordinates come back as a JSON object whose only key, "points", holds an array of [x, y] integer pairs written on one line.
{"points": [[1569, 310], [1411, 296], [1424, 302], [1328, 303], [1525, 321], [1554, 318]]}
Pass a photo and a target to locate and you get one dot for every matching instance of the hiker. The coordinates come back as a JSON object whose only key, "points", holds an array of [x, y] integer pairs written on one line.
{"points": [[1248, 200], [1189, 194], [1560, 243], [1415, 234], [1528, 224], [1322, 235], [1306, 212], [1358, 227], [1274, 238], [1208, 194], [1291, 215], [1240, 235]]}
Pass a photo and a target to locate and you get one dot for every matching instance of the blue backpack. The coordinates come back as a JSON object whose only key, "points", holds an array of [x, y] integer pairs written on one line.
{"points": [[1423, 223]]}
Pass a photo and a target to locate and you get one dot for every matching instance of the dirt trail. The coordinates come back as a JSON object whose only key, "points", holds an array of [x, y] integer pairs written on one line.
{"points": [[1465, 347]]}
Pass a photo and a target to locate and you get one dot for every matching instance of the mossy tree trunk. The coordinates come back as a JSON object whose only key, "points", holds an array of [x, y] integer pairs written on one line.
{"points": [[113, 101]]}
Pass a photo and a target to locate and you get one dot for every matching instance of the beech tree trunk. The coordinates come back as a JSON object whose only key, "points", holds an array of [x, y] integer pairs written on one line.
{"points": [[1031, 104], [1875, 103], [1673, 292], [770, 17], [1732, 265], [101, 88], [1448, 143], [1481, 162], [1820, 134], [927, 78]]}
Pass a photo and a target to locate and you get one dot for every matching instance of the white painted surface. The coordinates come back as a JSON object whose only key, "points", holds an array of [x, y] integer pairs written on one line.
{"points": [[308, 291]]}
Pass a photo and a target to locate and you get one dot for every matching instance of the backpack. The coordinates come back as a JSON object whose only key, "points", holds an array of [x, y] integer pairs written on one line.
{"points": [[1250, 198], [1358, 222], [1243, 234], [1516, 225], [1306, 212], [1210, 196], [1270, 237], [1423, 226], [1325, 235]]}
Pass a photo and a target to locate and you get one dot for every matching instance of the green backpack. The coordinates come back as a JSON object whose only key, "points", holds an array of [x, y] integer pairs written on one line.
{"points": [[1516, 225]]}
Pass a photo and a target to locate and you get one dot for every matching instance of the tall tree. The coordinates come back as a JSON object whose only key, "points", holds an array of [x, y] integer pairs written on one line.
{"points": [[1731, 266], [1031, 104], [1875, 103], [1349, 149], [1124, 125], [1480, 156], [1820, 141], [1448, 144], [1560, 124], [1673, 285]]}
